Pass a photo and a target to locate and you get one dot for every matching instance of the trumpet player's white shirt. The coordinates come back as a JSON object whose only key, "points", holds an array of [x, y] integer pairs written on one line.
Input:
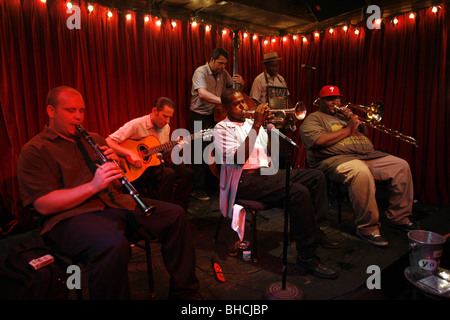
{"points": [[228, 136]]}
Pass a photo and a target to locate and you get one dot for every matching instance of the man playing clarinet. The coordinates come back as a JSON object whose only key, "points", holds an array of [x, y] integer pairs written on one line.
{"points": [[84, 215]]}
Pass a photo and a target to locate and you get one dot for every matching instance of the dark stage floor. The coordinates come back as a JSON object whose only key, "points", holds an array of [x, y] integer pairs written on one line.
{"points": [[251, 281], [246, 280]]}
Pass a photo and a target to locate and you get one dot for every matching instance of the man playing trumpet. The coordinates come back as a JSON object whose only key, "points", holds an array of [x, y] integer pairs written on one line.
{"points": [[343, 152], [245, 153]]}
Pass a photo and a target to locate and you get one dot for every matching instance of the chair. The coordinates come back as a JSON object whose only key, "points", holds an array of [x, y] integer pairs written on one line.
{"points": [[250, 206], [336, 191], [134, 241], [339, 191], [148, 255], [135, 236]]}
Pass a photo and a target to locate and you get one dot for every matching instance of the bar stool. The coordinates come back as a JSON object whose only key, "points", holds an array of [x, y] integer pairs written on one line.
{"points": [[250, 206]]}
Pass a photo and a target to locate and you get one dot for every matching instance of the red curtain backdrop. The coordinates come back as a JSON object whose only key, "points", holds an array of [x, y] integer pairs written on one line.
{"points": [[121, 66]]}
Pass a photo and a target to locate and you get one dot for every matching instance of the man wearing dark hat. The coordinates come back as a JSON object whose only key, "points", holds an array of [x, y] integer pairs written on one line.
{"points": [[340, 148], [269, 77]]}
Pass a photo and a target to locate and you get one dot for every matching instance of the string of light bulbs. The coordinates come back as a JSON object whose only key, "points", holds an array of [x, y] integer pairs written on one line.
{"points": [[265, 39]]}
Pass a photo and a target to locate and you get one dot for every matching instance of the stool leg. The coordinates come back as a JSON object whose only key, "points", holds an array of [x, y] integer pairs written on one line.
{"points": [[149, 268], [339, 206], [255, 247]]}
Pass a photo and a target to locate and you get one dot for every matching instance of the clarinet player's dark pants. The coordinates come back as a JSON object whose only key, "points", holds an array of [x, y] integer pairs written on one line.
{"points": [[99, 241]]}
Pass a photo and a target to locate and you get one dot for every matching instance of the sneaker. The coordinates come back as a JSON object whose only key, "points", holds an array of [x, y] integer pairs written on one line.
{"points": [[200, 195], [375, 239], [315, 267]]}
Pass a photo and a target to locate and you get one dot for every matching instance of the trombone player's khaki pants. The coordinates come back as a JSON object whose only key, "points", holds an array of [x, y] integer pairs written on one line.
{"points": [[360, 177]]}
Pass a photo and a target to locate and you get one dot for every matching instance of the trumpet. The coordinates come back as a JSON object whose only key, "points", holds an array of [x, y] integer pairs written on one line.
{"points": [[283, 117], [374, 114]]}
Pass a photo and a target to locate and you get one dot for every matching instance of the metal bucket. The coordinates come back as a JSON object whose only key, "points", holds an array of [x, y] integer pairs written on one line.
{"points": [[425, 251]]}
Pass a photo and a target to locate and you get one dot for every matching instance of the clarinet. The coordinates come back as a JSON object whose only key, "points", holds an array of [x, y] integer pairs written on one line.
{"points": [[146, 209]]}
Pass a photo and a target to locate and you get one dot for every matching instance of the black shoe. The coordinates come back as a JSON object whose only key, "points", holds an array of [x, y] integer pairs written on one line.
{"points": [[314, 266], [409, 226], [328, 243], [375, 239]]}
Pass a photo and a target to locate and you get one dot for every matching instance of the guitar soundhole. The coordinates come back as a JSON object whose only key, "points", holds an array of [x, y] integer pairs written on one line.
{"points": [[143, 151]]}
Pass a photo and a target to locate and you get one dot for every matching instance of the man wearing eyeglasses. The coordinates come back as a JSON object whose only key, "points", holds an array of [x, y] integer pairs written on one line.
{"points": [[208, 83], [341, 149]]}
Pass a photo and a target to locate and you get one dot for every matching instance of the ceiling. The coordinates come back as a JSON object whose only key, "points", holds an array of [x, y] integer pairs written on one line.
{"points": [[269, 17]]}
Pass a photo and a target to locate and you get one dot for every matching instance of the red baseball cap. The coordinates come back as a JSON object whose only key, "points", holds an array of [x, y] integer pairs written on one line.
{"points": [[328, 91]]}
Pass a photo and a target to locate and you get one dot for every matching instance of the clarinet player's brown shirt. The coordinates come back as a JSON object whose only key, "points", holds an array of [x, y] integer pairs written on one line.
{"points": [[49, 162]]}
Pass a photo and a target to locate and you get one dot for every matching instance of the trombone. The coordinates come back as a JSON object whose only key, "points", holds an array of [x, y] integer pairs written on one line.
{"points": [[374, 114]]}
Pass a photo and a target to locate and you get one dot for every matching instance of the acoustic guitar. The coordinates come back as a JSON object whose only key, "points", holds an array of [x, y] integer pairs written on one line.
{"points": [[150, 149]]}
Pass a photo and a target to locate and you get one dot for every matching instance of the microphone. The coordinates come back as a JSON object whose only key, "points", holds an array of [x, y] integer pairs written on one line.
{"points": [[271, 128], [304, 66]]}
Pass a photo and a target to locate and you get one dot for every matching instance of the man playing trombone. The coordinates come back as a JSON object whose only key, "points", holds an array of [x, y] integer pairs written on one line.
{"points": [[340, 148]]}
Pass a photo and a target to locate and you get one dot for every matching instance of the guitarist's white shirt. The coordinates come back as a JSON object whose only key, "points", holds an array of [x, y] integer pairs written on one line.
{"points": [[140, 128]]}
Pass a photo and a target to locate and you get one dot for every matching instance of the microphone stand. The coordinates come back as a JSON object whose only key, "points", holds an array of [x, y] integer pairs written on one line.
{"points": [[309, 87], [283, 290]]}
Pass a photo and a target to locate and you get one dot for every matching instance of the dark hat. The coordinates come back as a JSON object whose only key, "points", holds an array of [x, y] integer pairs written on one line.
{"points": [[271, 56]]}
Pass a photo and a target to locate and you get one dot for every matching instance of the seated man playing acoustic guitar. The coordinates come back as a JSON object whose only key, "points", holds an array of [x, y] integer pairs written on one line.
{"points": [[175, 180]]}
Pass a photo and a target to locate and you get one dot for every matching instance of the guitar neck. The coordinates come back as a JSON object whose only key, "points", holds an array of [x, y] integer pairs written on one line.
{"points": [[169, 145]]}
